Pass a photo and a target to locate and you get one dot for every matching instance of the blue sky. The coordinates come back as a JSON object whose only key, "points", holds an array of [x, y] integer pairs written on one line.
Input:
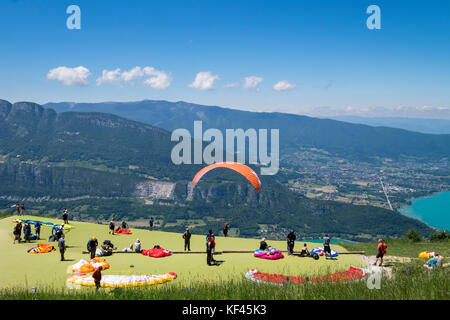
{"points": [[323, 49]]}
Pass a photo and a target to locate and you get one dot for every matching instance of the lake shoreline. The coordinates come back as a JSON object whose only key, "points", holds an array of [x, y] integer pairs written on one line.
{"points": [[431, 213]]}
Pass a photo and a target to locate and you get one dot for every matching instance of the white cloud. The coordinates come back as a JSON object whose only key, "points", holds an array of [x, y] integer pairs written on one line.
{"points": [[70, 76], [158, 80], [252, 82], [283, 85], [112, 77], [204, 81]]}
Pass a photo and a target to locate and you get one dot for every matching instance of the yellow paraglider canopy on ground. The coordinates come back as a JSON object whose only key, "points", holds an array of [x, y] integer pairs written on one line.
{"points": [[428, 255], [120, 281], [84, 266]]}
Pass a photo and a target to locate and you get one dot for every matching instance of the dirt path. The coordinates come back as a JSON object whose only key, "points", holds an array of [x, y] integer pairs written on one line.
{"points": [[386, 269]]}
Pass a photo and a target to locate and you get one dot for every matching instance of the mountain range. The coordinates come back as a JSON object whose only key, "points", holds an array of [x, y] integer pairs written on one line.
{"points": [[102, 164]]}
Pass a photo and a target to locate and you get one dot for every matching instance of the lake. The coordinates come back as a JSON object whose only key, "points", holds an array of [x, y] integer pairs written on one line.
{"points": [[433, 210]]}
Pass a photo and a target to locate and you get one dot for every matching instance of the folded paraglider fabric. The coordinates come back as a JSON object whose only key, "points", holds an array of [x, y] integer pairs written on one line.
{"points": [[156, 252], [320, 252], [122, 231], [272, 278], [42, 248], [428, 254], [271, 254], [352, 274], [84, 266], [121, 281]]}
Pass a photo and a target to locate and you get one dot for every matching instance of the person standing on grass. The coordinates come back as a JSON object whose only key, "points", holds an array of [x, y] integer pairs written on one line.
{"points": [[18, 209], [22, 209], [187, 239], [150, 222], [17, 232], [226, 226], [27, 232], [326, 245], [62, 246], [92, 246], [210, 245], [97, 275], [112, 226], [37, 229], [65, 216], [381, 252], [291, 242]]}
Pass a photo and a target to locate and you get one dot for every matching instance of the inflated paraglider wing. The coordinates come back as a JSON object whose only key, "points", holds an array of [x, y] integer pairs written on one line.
{"points": [[248, 173]]}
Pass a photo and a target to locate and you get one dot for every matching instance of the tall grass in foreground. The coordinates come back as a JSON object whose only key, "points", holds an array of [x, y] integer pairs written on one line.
{"points": [[410, 282]]}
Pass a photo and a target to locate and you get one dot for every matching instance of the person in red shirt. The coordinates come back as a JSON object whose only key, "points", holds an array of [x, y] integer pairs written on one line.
{"points": [[18, 209], [381, 252], [97, 275]]}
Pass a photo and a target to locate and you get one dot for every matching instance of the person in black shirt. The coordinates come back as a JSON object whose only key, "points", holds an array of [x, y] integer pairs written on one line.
{"points": [[290, 242], [263, 244], [187, 239]]}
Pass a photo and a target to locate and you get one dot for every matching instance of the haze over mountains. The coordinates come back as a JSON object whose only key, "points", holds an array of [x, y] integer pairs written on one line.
{"points": [[433, 126], [102, 164]]}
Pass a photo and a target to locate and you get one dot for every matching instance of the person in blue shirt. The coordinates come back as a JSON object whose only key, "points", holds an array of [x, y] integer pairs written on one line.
{"points": [[431, 263], [27, 232], [151, 223], [37, 229]]}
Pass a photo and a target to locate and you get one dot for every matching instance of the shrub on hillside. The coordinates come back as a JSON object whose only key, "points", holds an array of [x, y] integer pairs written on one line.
{"points": [[439, 236], [413, 235]]}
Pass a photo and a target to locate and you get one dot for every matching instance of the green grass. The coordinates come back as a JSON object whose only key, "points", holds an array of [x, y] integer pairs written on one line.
{"points": [[411, 282], [402, 248], [21, 270]]}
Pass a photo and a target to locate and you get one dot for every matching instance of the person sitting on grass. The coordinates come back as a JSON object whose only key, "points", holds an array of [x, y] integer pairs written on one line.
{"points": [[124, 225], [431, 263], [137, 246], [438, 260], [97, 275], [305, 252]]}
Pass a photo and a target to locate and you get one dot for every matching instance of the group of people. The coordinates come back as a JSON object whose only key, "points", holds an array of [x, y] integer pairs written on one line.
{"points": [[20, 209], [26, 227], [112, 226]]}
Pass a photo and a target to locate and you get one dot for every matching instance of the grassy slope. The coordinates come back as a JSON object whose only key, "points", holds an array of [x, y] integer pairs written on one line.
{"points": [[19, 269], [402, 248]]}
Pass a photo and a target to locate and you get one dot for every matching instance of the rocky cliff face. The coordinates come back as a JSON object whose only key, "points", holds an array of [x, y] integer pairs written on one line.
{"points": [[155, 189]]}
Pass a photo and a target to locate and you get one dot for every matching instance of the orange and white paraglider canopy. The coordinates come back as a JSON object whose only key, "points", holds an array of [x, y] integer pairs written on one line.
{"points": [[248, 173]]}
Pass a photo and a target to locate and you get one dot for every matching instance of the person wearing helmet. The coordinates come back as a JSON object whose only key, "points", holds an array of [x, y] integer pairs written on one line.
{"points": [[92, 246]]}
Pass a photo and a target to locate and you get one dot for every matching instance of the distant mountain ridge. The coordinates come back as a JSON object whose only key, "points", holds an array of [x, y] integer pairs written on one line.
{"points": [[429, 126], [296, 131]]}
